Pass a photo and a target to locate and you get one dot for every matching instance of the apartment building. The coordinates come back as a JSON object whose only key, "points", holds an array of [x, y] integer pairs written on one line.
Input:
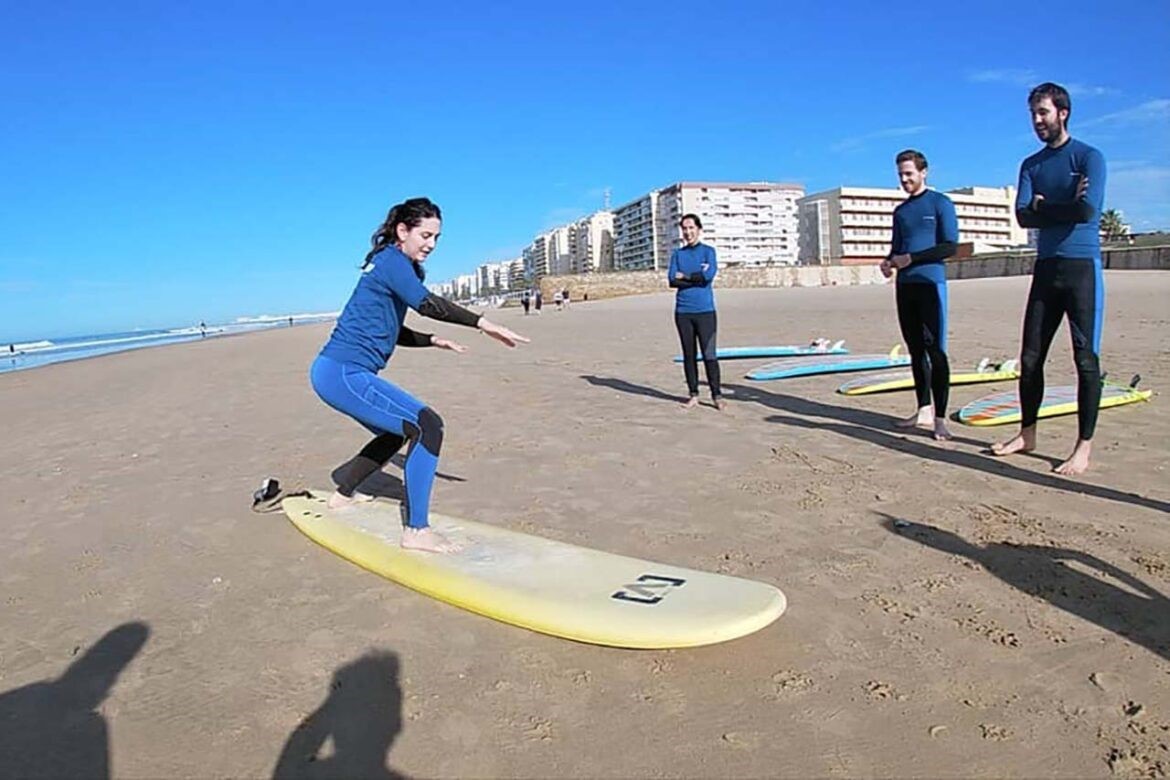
{"points": [[747, 223], [635, 235], [535, 258], [496, 277], [851, 225], [591, 244]]}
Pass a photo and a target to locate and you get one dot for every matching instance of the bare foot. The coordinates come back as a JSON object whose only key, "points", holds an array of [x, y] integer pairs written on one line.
{"points": [[1078, 462], [717, 403], [691, 402], [940, 430], [427, 539], [1024, 441], [923, 418], [338, 501]]}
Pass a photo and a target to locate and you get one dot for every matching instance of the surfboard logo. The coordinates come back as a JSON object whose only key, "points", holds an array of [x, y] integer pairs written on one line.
{"points": [[648, 589]]}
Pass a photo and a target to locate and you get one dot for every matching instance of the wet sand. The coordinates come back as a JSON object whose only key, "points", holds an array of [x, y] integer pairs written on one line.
{"points": [[1014, 623]]}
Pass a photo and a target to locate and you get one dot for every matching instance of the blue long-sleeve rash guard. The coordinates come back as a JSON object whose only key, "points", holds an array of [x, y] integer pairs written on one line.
{"points": [[1068, 227], [698, 265], [367, 329], [927, 229]]}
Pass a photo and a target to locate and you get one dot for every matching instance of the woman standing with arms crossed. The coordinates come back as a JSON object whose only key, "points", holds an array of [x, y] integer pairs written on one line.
{"points": [[692, 270], [344, 374]]}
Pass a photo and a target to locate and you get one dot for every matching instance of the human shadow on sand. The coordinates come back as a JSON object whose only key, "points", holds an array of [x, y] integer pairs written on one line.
{"points": [[872, 427], [629, 387], [54, 728], [1137, 612], [351, 733], [383, 485]]}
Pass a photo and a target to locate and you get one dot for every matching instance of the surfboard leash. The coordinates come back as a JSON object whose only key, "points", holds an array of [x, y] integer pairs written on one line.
{"points": [[270, 494]]}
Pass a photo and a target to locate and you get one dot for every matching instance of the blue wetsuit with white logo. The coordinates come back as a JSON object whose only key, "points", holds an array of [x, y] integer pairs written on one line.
{"points": [[926, 228], [344, 375], [1067, 279], [694, 313]]}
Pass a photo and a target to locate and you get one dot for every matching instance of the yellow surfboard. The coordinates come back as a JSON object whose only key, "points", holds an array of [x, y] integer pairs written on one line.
{"points": [[1004, 408], [985, 371], [543, 585]]}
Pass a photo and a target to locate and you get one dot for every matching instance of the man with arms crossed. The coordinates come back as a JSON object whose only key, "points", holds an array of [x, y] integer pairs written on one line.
{"points": [[1062, 190]]}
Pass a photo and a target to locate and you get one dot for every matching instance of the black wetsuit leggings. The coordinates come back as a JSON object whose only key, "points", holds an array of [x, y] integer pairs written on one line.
{"points": [[922, 316], [698, 328], [1061, 286]]}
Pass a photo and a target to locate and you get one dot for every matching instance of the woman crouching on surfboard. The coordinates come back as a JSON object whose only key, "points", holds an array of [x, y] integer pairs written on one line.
{"points": [[344, 374]]}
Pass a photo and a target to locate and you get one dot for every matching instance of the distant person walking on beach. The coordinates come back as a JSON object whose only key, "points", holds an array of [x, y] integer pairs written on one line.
{"points": [[539, 300], [525, 301], [692, 270], [344, 374], [926, 232], [559, 300], [565, 297], [202, 330], [1061, 192]]}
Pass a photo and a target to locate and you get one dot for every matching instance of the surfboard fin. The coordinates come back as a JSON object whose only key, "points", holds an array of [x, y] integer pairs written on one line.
{"points": [[1133, 383], [896, 350], [983, 365]]}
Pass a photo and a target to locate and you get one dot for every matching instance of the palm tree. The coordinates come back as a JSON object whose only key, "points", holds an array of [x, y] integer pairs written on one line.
{"points": [[1112, 225]]}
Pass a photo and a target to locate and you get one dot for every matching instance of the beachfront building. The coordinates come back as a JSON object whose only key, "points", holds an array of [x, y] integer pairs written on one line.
{"points": [[496, 277], [591, 243], [635, 234], [535, 257], [747, 223], [558, 246], [851, 225]]}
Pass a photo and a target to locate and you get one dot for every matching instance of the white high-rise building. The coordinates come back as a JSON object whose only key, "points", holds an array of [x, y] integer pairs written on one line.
{"points": [[495, 277], [591, 243], [536, 258], [516, 277], [635, 235], [558, 248], [748, 223], [852, 225]]}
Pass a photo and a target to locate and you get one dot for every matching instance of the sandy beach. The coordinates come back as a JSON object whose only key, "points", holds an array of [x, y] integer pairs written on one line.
{"points": [[1019, 626]]}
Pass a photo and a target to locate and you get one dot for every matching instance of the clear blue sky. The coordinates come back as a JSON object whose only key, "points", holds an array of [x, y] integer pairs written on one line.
{"points": [[168, 162]]}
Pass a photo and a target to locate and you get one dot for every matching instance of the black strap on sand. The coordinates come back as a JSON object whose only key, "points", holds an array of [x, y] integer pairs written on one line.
{"points": [[268, 497]]}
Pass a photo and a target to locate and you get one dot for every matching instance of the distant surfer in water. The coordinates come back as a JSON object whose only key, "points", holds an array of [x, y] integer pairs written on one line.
{"points": [[926, 232], [344, 374], [691, 272], [1061, 192]]}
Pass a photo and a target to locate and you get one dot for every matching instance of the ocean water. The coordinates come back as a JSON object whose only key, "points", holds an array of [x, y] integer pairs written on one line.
{"points": [[32, 354]]}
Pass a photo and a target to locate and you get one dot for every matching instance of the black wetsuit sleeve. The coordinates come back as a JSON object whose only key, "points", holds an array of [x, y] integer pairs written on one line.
{"points": [[412, 338], [692, 280], [937, 252], [438, 308], [1076, 212]]}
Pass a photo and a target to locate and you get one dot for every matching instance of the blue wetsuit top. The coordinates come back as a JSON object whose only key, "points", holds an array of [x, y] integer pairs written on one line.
{"points": [[698, 266], [926, 228], [369, 326], [1068, 227]]}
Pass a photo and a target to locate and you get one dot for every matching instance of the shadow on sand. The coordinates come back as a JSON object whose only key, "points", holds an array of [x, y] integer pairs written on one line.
{"points": [[351, 733], [53, 728], [1137, 612]]}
